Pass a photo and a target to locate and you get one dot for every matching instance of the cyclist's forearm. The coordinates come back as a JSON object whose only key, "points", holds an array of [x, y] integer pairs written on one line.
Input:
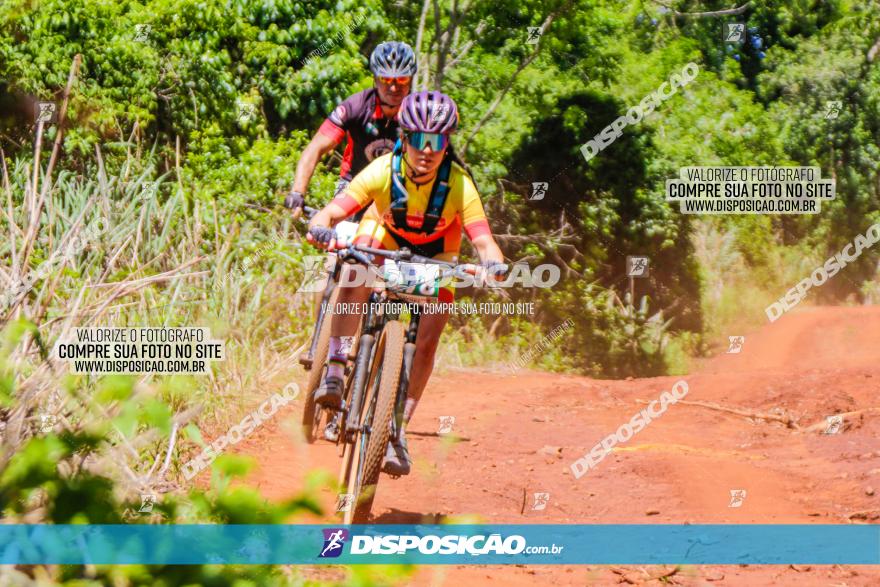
{"points": [[319, 146], [488, 249], [305, 168], [329, 215]]}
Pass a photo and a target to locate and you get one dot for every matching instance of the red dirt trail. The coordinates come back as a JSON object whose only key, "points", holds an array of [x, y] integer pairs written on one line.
{"points": [[517, 433]]}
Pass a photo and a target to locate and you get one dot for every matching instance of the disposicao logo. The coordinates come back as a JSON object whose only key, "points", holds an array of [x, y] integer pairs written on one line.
{"points": [[450, 544], [334, 540]]}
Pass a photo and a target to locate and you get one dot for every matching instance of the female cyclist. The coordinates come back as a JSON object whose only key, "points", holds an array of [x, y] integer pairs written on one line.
{"points": [[422, 199]]}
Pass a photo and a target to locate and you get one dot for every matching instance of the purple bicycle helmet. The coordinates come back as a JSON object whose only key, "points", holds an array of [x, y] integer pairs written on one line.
{"points": [[428, 112]]}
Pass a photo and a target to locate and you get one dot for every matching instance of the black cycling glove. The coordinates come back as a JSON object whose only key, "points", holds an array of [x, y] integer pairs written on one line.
{"points": [[322, 234], [495, 269], [294, 200]]}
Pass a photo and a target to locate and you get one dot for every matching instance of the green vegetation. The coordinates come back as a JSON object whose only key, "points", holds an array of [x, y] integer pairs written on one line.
{"points": [[177, 89], [163, 205]]}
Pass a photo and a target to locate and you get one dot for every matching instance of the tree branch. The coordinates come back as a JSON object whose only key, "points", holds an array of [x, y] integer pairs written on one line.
{"points": [[872, 52], [437, 32], [466, 48], [495, 103], [711, 14], [31, 235], [444, 42], [420, 74]]}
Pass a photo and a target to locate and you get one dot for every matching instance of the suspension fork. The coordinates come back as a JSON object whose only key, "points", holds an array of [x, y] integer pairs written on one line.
{"points": [[409, 353]]}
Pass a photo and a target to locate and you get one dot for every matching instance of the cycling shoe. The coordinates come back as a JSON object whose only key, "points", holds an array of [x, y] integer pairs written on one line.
{"points": [[397, 461], [329, 395]]}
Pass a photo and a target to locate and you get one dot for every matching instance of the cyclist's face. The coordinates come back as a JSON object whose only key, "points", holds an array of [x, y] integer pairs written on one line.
{"points": [[425, 160], [394, 92]]}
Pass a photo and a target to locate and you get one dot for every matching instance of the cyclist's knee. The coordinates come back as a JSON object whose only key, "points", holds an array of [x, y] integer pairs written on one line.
{"points": [[431, 327]]}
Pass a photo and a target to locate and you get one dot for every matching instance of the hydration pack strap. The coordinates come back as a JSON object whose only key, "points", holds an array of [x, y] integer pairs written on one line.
{"points": [[399, 196]]}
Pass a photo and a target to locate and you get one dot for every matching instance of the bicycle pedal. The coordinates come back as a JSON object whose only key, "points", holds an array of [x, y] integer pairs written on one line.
{"points": [[387, 474]]}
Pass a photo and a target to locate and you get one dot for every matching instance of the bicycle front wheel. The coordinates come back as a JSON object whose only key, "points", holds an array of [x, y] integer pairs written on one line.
{"points": [[372, 442]]}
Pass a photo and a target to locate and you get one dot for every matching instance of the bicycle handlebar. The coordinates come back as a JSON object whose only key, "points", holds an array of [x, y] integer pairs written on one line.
{"points": [[360, 254], [356, 255], [403, 254]]}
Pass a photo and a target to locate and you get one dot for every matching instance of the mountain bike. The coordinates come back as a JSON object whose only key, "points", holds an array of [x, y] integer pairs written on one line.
{"points": [[375, 392]]}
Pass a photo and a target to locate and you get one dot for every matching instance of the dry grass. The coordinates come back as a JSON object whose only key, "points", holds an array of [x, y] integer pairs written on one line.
{"points": [[135, 248]]}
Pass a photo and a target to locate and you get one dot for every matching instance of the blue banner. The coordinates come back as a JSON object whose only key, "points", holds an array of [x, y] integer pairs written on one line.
{"points": [[440, 544]]}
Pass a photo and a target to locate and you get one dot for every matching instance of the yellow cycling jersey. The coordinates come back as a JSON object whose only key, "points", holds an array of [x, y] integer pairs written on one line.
{"points": [[463, 207]]}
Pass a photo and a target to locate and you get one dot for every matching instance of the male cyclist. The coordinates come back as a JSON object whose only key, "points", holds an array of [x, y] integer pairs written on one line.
{"points": [[422, 199], [367, 119]]}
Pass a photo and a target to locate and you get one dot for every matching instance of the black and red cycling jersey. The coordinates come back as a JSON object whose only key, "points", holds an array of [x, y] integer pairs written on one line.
{"points": [[370, 134]]}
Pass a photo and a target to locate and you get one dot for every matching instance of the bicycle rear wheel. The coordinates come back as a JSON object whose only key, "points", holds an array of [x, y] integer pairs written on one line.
{"points": [[369, 449]]}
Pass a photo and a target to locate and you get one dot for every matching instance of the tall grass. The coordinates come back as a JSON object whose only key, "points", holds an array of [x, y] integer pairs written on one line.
{"points": [[136, 247]]}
